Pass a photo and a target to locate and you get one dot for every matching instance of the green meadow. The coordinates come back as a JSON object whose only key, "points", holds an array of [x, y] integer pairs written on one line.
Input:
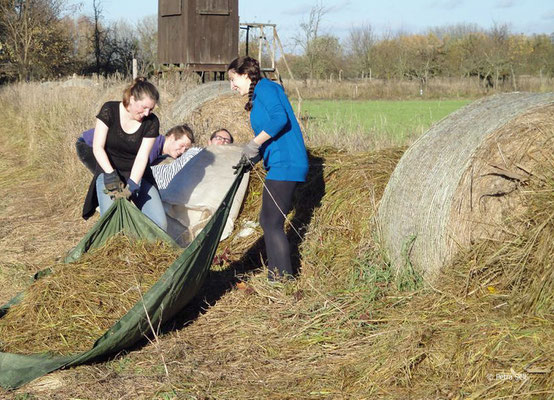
{"points": [[392, 122]]}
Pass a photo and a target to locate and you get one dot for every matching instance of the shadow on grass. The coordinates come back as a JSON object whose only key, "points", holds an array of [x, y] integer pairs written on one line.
{"points": [[307, 198]]}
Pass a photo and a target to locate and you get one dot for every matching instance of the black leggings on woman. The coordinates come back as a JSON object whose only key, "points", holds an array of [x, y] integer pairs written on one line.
{"points": [[272, 219]]}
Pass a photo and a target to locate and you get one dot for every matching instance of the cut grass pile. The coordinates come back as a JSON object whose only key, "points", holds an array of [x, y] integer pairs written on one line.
{"points": [[66, 311], [350, 327]]}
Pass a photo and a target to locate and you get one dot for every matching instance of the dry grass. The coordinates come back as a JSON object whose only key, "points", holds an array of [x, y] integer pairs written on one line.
{"points": [[68, 310], [348, 327], [436, 88], [224, 112], [345, 330]]}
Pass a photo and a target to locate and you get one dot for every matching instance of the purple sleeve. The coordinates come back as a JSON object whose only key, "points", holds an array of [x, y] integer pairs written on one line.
{"points": [[88, 136], [157, 149]]}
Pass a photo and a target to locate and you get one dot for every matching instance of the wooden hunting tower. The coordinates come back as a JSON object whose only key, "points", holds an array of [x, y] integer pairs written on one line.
{"points": [[199, 35]]}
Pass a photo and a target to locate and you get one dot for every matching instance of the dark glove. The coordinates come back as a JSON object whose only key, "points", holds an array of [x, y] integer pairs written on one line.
{"points": [[251, 151], [112, 181], [133, 187], [243, 163]]}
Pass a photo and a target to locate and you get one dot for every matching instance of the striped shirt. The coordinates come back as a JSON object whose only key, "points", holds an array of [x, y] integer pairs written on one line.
{"points": [[164, 173]]}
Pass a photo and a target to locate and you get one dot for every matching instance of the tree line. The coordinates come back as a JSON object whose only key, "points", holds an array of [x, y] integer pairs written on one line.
{"points": [[39, 40], [462, 50]]}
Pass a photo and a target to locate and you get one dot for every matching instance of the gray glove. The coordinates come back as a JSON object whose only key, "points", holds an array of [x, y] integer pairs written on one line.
{"points": [[251, 151]]}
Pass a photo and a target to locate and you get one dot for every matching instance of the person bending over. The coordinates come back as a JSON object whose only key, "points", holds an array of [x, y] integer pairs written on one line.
{"points": [[124, 135], [163, 174], [175, 142]]}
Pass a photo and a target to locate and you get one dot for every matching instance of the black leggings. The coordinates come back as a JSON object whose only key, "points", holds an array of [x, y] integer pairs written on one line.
{"points": [[272, 219]]}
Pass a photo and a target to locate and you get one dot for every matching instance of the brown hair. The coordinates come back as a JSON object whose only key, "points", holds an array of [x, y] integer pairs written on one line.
{"points": [[139, 89], [179, 131], [251, 67], [214, 134]]}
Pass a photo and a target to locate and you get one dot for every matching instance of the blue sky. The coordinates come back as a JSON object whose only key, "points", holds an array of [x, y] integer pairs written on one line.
{"points": [[414, 16]]}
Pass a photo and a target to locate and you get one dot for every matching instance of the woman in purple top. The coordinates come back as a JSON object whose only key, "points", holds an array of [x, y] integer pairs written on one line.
{"points": [[278, 141], [123, 138], [176, 141]]}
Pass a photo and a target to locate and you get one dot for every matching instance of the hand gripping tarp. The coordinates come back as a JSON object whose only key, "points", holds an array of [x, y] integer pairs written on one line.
{"points": [[175, 288]]}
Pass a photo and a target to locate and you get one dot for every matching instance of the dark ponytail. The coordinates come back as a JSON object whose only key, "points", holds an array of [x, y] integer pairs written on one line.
{"points": [[251, 67]]}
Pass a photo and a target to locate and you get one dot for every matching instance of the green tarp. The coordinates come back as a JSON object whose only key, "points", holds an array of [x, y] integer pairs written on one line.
{"points": [[175, 288]]}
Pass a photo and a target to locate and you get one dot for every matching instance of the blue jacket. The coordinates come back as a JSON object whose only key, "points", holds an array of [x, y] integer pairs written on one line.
{"points": [[285, 157]]}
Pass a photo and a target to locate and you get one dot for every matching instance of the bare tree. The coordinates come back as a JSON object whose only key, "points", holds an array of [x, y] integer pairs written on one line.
{"points": [[98, 35], [147, 52], [361, 41], [308, 35]]}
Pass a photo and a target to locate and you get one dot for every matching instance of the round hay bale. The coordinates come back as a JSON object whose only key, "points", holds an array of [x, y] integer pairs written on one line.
{"points": [[212, 106], [456, 184], [194, 98], [225, 111]]}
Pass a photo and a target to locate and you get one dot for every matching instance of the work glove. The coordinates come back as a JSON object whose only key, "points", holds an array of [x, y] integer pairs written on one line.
{"points": [[133, 187], [112, 182], [128, 191], [251, 151], [243, 163]]}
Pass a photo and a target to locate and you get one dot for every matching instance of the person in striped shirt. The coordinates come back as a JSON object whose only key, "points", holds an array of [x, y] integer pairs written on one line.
{"points": [[164, 173]]}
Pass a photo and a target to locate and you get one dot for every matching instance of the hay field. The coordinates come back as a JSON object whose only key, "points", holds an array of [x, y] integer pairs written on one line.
{"points": [[348, 328]]}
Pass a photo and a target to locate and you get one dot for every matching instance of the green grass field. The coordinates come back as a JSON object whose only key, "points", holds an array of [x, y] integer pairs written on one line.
{"points": [[395, 121]]}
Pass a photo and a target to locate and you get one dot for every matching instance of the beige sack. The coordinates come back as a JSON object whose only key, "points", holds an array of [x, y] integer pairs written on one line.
{"points": [[197, 190]]}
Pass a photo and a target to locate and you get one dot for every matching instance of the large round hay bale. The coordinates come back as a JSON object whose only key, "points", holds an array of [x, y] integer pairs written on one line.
{"points": [[195, 97], [226, 111], [458, 182], [212, 106]]}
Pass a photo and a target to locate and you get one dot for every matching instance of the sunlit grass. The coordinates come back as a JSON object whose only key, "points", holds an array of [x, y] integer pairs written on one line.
{"points": [[344, 123]]}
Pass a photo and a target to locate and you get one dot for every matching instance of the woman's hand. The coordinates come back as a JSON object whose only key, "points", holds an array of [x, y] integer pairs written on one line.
{"points": [[112, 181], [251, 151]]}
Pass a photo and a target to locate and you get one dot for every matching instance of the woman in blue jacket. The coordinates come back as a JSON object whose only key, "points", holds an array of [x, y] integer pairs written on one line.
{"points": [[278, 140]]}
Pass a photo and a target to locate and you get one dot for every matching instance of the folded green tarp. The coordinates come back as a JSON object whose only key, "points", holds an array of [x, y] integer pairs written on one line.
{"points": [[175, 288]]}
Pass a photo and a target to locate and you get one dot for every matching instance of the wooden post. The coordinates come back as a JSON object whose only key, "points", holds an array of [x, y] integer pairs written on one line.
{"points": [[291, 77], [260, 44], [135, 69]]}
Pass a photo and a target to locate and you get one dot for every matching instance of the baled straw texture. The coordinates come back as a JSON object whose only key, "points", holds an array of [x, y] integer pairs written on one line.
{"points": [[213, 106], [456, 183], [225, 111], [518, 270], [66, 311]]}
